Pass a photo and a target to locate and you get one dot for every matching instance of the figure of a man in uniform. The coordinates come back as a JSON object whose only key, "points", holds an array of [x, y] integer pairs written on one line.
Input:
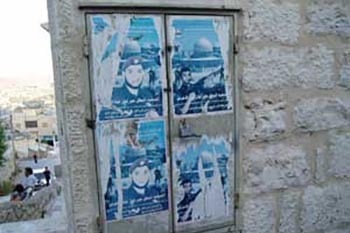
{"points": [[132, 97], [140, 177], [184, 94], [187, 93], [184, 207], [198, 93], [133, 73], [140, 197]]}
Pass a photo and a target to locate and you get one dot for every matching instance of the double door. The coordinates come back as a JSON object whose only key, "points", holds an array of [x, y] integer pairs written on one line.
{"points": [[162, 90]]}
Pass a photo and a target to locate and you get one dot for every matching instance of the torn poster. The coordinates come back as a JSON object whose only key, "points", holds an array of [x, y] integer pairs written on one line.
{"points": [[127, 65], [200, 72], [135, 178], [202, 179]]}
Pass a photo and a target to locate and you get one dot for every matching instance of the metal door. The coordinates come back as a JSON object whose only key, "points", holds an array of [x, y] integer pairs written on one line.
{"points": [[202, 119], [162, 90]]}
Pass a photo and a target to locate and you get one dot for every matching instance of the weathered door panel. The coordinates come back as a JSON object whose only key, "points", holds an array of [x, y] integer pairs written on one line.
{"points": [[164, 120], [200, 68], [128, 78]]}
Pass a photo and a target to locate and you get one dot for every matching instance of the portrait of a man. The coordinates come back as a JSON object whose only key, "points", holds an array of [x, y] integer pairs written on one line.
{"points": [[128, 68], [140, 177], [132, 99], [185, 206], [134, 74], [141, 197], [184, 93], [200, 75]]}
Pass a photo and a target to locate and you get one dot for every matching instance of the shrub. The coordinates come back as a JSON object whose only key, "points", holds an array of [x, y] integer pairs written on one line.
{"points": [[6, 187], [3, 146]]}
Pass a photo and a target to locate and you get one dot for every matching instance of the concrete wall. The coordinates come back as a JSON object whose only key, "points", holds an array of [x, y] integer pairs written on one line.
{"points": [[294, 72]]}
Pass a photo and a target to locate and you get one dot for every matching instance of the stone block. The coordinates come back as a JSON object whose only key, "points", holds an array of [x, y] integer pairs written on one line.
{"points": [[267, 20], [289, 213], [345, 76], [321, 165], [259, 215], [328, 17], [345, 70], [321, 114], [278, 68], [339, 153], [343, 230], [249, 124], [325, 207], [275, 167], [265, 120]]}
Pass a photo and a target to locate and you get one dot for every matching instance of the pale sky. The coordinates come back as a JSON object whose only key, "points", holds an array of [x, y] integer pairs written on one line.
{"points": [[24, 46]]}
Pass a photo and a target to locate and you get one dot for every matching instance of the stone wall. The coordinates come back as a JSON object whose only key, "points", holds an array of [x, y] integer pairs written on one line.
{"points": [[296, 135], [294, 75], [33, 208]]}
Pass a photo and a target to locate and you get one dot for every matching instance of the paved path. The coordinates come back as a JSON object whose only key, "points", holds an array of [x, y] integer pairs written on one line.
{"points": [[49, 162]]}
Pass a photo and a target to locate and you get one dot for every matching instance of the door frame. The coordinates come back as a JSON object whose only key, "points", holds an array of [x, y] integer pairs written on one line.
{"points": [[164, 12]]}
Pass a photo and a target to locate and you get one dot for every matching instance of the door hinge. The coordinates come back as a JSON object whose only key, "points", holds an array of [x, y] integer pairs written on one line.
{"points": [[236, 45], [99, 223], [90, 123], [85, 46], [236, 201]]}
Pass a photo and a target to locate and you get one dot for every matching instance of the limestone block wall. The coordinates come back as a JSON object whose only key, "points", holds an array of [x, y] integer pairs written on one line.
{"points": [[294, 113], [296, 116]]}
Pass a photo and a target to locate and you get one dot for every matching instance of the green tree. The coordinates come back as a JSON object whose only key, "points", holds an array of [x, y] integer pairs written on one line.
{"points": [[3, 145]]}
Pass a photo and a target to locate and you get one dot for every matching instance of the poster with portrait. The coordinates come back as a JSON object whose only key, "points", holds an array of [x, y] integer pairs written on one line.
{"points": [[202, 183], [200, 73], [133, 168], [127, 66]]}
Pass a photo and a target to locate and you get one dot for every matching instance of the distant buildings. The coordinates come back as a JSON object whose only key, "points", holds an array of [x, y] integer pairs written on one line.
{"points": [[32, 127], [35, 122], [29, 115]]}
